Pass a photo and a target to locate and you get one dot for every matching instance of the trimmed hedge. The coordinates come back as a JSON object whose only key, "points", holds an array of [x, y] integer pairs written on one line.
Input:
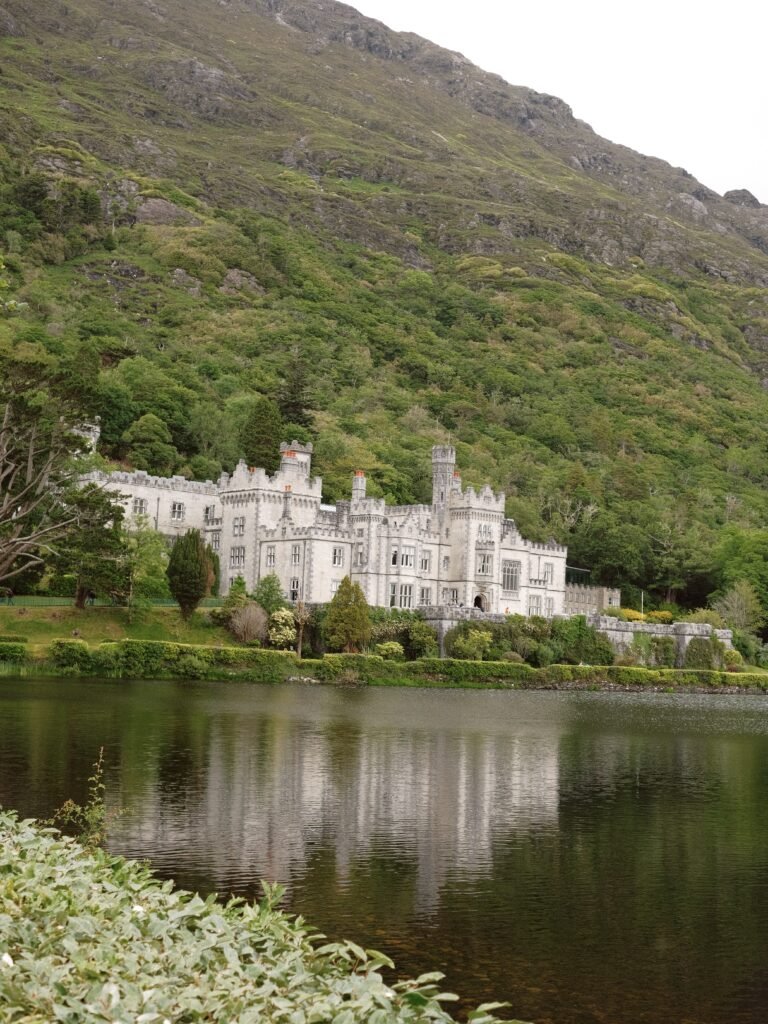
{"points": [[148, 659], [92, 938], [13, 638], [15, 652]]}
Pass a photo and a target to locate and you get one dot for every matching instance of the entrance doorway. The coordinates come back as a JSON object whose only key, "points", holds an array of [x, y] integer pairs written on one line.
{"points": [[481, 603]]}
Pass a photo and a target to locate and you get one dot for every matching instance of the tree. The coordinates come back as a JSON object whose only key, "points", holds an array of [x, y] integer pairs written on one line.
{"points": [[149, 445], [96, 553], [260, 435], [269, 594], [348, 622], [189, 571], [44, 399], [740, 607], [302, 616]]}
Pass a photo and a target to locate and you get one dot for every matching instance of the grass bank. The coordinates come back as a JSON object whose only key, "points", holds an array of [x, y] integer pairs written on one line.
{"points": [[93, 938], [151, 659]]}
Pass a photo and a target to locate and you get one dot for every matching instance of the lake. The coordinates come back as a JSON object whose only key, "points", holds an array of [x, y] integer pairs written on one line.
{"points": [[589, 857]]}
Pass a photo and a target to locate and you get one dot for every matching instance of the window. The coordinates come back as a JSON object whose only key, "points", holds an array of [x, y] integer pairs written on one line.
{"points": [[534, 604], [294, 589], [296, 554], [338, 556], [394, 555], [425, 595], [215, 541], [484, 564], [238, 526], [408, 556], [485, 532], [271, 556], [450, 595], [425, 562], [510, 575], [361, 533], [406, 595], [446, 561], [549, 572], [359, 554], [549, 607], [335, 584], [140, 506], [392, 595], [236, 558], [177, 510], [209, 513]]}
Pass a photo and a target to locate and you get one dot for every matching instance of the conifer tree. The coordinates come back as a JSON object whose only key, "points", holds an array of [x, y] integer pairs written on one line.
{"points": [[189, 572], [260, 435], [348, 621]]}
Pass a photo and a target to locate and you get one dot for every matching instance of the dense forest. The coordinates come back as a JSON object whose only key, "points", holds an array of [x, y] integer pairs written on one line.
{"points": [[231, 274]]}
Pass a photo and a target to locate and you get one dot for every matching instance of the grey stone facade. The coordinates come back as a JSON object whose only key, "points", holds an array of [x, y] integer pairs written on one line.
{"points": [[458, 551]]}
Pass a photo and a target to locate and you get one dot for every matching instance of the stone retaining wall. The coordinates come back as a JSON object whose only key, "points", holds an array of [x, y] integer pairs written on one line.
{"points": [[622, 633]]}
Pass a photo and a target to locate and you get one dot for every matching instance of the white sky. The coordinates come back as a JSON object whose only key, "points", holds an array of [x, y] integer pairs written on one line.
{"points": [[685, 81]]}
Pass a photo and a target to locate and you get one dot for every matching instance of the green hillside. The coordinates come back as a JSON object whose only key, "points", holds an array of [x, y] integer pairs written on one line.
{"points": [[225, 200]]}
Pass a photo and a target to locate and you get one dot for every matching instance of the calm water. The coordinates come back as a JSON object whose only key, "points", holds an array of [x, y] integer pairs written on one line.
{"points": [[588, 857]]}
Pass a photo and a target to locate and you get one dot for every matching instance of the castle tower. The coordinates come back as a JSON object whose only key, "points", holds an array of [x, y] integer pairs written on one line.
{"points": [[296, 459], [443, 466]]}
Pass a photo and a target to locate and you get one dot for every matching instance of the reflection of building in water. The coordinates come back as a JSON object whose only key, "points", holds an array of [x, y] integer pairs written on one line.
{"points": [[279, 788]]}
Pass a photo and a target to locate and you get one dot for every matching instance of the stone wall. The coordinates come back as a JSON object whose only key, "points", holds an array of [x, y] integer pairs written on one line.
{"points": [[621, 634]]}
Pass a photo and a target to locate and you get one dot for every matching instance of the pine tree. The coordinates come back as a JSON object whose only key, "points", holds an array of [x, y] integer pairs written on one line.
{"points": [[189, 572], [260, 435], [348, 621]]}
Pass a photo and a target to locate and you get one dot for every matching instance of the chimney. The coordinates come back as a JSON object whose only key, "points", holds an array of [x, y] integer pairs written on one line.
{"points": [[358, 485]]}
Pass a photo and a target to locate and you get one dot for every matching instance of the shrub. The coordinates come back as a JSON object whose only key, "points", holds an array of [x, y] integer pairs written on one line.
{"points": [[704, 653], [248, 623], [662, 617], [12, 638], [512, 656], [631, 615], [474, 645], [251, 961], [10, 651], [732, 659], [282, 629], [390, 650], [70, 654], [664, 650]]}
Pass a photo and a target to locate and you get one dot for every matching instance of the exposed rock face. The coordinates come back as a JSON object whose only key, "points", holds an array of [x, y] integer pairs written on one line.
{"points": [[743, 197], [8, 24], [181, 279], [236, 281], [160, 211]]}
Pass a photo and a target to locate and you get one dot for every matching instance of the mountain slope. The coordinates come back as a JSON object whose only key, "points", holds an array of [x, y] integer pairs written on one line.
{"points": [[297, 201]]}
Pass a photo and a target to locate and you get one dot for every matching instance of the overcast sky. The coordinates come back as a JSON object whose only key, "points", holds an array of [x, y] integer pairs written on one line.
{"points": [[680, 80]]}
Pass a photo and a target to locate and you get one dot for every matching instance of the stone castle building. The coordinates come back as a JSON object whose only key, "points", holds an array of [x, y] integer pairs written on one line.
{"points": [[458, 551]]}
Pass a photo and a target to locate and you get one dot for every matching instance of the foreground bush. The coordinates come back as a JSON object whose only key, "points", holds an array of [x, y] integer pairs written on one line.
{"points": [[93, 938]]}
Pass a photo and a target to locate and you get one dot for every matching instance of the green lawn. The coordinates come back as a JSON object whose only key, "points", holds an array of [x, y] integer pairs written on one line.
{"points": [[41, 625]]}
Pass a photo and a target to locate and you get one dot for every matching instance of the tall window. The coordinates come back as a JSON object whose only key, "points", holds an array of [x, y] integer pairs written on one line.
{"points": [[549, 607], [294, 589], [271, 556], [549, 572], [140, 506], [338, 556], [450, 595], [408, 556], [209, 513], [238, 526], [359, 554], [392, 595], [485, 532], [406, 595], [510, 575], [177, 510], [446, 562], [335, 584], [236, 557], [534, 604], [484, 564], [425, 595], [425, 562], [395, 553], [215, 541], [296, 554]]}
